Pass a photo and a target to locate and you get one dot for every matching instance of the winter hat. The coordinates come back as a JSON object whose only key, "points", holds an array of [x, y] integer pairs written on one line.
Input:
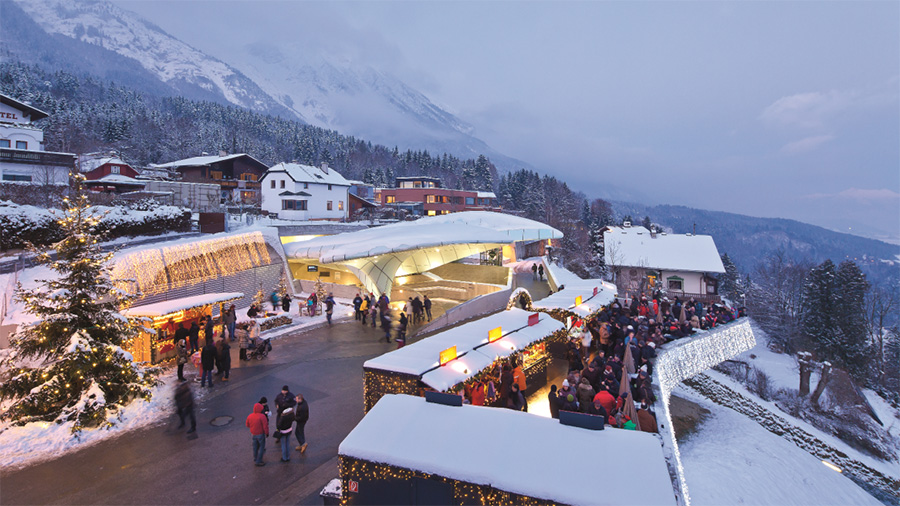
{"points": [[286, 411], [565, 383], [651, 344], [285, 388]]}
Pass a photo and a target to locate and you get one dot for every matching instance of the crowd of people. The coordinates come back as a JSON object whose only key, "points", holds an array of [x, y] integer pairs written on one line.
{"points": [[291, 416]]}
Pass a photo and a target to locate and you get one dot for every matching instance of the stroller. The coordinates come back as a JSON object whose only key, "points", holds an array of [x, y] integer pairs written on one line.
{"points": [[261, 350]]}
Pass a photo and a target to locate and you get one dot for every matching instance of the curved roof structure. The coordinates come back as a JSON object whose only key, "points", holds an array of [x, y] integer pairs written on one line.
{"points": [[377, 255]]}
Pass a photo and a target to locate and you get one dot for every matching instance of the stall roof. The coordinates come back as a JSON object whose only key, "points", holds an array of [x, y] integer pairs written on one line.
{"points": [[175, 305], [408, 432], [590, 303], [418, 358]]}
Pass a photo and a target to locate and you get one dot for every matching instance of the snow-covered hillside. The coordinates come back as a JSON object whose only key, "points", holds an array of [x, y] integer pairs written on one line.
{"points": [[172, 61]]}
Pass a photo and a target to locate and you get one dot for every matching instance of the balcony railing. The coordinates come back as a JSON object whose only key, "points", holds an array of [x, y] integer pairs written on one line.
{"points": [[22, 156]]}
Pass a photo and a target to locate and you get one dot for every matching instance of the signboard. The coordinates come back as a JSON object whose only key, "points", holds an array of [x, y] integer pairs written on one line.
{"points": [[354, 487], [448, 355], [533, 319], [578, 300], [495, 334], [312, 268], [595, 290]]}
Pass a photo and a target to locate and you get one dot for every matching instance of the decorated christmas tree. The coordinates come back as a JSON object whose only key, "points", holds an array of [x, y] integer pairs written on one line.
{"points": [[70, 364]]}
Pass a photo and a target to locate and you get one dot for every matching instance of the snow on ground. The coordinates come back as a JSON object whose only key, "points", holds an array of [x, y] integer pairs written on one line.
{"points": [[733, 460]]}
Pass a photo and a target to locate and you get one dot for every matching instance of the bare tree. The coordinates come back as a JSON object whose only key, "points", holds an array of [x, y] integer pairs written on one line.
{"points": [[776, 298]]}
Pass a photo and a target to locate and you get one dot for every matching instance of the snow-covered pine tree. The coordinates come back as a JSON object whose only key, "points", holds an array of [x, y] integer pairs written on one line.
{"points": [[818, 321], [482, 174], [850, 312], [732, 286], [70, 365], [646, 223], [598, 260]]}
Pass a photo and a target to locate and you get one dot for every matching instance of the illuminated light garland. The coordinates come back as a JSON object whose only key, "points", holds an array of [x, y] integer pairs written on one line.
{"points": [[362, 471]]}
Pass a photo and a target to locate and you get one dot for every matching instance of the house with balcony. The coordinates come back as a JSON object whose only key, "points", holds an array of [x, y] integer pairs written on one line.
{"points": [[642, 261], [238, 175], [425, 196], [294, 191], [22, 156]]}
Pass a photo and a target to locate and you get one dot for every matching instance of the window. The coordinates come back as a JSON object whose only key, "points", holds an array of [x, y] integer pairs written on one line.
{"points": [[21, 145], [429, 199], [340, 205], [470, 201], [4, 143], [114, 169], [328, 205], [282, 183], [305, 186], [17, 177], [272, 184], [247, 176], [293, 205], [431, 212], [329, 187], [390, 199], [675, 283]]}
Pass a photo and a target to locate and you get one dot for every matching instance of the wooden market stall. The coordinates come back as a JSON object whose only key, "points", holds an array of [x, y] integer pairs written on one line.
{"points": [[581, 299], [160, 320], [449, 360], [410, 451]]}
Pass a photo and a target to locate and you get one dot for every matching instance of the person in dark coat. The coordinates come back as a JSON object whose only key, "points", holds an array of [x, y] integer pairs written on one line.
{"points": [[194, 337], [329, 307], [516, 399], [184, 405], [285, 425], [224, 352], [286, 303], [426, 303], [301, 416], [208, 361], [229, 319], [401, 329], [181, 333], [506, 381], [596, 408], [285, 399], [357, 302], [541, 271], [534, 271], [553, 399], [209, 329], [181, 358]]}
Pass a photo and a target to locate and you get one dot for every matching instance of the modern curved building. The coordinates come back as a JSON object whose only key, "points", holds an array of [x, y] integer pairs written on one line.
{"points": [[375, 257]]}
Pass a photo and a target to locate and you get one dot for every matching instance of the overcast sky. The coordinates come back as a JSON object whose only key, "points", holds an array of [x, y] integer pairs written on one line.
{"points": [[783, 109]]}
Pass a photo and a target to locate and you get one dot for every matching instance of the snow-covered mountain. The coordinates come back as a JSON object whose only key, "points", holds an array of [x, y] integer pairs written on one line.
{"points": [[173, 62], [305, 83]]}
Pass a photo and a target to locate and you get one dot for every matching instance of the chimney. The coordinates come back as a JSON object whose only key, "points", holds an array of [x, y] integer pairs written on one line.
{"points": [[204, 153], [223, 153], [626, 224], [324, 167]]}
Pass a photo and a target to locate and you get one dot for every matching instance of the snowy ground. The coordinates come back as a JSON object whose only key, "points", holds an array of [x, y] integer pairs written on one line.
{"points": [[733, 460]]}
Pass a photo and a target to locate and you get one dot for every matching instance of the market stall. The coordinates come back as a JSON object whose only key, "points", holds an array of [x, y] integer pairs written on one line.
{"points": [[161, 319], [581, 299], [451, 360], [409, 451]]}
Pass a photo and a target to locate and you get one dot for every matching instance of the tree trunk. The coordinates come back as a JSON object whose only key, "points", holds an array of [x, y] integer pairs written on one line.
{"points": [[823, 382], [805, 360]]}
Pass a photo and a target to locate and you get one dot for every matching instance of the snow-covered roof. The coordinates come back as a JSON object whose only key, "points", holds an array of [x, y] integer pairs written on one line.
{"points": [[175, 305], [117, 179], [485, 446], [32, 112], [486, 195], [422, 357], [90, 163], [300, 173], [590, 303], [635, 247], [199, 161]]}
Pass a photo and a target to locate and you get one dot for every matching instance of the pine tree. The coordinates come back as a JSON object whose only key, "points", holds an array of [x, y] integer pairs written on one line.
{"points": [[732, 286], [818, 318], [850, 315], [71, 365], [646, 223]]}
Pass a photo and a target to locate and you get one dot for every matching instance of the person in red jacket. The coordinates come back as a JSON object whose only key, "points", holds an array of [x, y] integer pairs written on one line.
{"points": [[606, 400], [259, 431]]}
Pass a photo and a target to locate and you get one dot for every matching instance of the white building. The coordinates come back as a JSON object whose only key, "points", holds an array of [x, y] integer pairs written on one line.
{"points": [[678, 264], [302, 192], [22, 155]]}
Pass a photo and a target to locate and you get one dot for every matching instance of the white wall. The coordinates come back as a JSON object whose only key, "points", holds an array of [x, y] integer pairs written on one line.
{"points": [[316, 203], [33, 136], [40, 174]]}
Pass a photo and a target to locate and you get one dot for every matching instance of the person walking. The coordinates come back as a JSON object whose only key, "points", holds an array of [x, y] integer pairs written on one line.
{"points": [[534, 271], [373, 313], [276, 301], [427, 304], [259, 431], [182, 358], [243, 342], [184, 405], [229, 318], [207, 361], [209, 330], [194, 336], [329, 307], [224, 359], [286, 303], [285, 426], [364, 309], [301, 416], [541, 271]]}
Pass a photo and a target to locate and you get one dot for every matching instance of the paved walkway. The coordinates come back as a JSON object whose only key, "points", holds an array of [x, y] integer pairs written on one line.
{"points": [[160, 465]]}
